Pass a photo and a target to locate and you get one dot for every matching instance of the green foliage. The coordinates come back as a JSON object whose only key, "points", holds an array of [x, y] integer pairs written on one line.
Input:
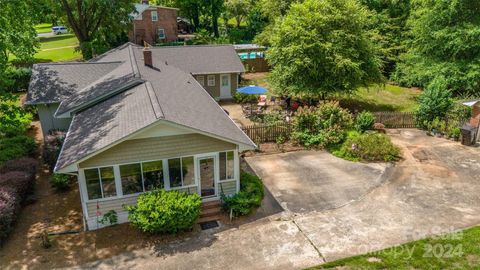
{"points": [[368, 147], [163, 211], [434, 102], [16, 147], [60, 182], [248, 199], [238, 9], [321, 126], [17, 34], [17, 79], [323, 47], [96, 32], [244, 98], [14, 120], [443, 44], [364, 121], [109, 218]]}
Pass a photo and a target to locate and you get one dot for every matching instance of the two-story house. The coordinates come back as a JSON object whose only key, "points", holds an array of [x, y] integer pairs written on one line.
{"points": [[153, 24]]}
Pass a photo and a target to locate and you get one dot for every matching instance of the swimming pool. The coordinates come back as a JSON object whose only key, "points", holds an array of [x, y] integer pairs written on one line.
{"points": [[251, 55]]}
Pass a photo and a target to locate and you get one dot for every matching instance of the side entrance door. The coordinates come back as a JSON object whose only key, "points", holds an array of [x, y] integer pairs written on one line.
{"points": [[225, 86], [206, 175]]}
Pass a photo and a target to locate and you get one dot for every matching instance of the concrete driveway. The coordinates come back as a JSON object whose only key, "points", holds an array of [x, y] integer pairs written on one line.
{"points": [[307, 181], [435, 189]]}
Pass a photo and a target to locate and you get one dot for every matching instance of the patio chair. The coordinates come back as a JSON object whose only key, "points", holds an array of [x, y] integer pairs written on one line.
{"points": [[262, 101]]}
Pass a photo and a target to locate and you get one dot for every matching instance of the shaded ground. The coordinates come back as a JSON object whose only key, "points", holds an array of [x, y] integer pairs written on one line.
{"points": [[308, 181]]}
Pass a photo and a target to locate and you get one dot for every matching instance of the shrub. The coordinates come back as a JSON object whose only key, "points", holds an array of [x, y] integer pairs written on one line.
{"points": [[14, 119], [21, 183], [17, 78], [248, 199], [244, 98], [163, 211], [9, 205], [434, 102], [51, 149], [364, 121], [28, 165], [369, 147], [60, 182], [16, 147], [322, 126], [109, 218]]}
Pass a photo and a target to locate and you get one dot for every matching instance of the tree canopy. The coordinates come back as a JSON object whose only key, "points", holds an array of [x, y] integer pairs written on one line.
{"points": [[98, 24], [444, 43], [323, 47]]}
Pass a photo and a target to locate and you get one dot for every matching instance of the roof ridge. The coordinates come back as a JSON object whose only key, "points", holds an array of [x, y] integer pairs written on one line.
{"points": [[75, 63], [192, 46], [157, 108], [133, 62]]}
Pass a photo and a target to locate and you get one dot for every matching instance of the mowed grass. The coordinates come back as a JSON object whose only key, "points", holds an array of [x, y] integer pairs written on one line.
{"points": [[58, 48], [386, 97], [460, 250], [43, 28], [376, 98]]}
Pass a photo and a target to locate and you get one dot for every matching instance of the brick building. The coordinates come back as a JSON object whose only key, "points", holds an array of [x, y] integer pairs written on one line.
{"points": [[153, 24]]}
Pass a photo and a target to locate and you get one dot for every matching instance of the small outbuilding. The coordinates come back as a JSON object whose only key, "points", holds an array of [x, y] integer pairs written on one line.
{"points": [[474, 123]]}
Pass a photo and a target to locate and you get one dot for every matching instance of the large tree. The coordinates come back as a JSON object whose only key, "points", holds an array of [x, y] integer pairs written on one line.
{"points": [[444, 46], [17, 34], [323, 47], [98, 24], [238, 9]]}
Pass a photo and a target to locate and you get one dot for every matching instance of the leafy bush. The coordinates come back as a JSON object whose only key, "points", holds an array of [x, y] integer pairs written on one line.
{"points": [[28, 165], [18, 78], [21, 183], [163, 211], [109, 218], [368, 147], [14, 119], [322, 126], [244, 98], [434, 102], [16, 147], [248, 199], [9, 205], [51, 149], [60, 182], [364, 121]]}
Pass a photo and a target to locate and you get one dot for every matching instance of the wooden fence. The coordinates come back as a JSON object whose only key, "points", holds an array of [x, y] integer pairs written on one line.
{"points": [[395, 119], [261, 133]]}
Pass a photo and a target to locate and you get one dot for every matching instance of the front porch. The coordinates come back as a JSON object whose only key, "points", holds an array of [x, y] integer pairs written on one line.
{"points": [[107, 188]]}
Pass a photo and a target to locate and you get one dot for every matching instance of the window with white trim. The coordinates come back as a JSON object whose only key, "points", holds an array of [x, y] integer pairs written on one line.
{"points": [[227, 165], [211, 80], [154, 15], [161, 33], [100, 183], [181, 172], [152, 175], [201, 80], [131, 175]]}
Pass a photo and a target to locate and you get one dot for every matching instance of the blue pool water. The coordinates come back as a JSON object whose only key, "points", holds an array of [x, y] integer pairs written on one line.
{"points": [[251, 55]]}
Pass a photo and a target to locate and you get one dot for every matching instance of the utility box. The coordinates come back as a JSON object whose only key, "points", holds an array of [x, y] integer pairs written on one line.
{"points": [[468, 134]]}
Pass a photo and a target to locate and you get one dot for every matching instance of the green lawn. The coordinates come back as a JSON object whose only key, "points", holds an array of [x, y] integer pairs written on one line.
{"points": [[386, 97], [459, 250], [376, 98], [43, 28], [58, 48]]}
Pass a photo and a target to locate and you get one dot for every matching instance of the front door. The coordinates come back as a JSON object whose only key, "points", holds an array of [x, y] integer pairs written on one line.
{"points": [[207, 177], [225, 86]]}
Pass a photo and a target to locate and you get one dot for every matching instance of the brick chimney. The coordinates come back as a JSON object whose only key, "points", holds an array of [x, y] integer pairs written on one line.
{"points": [[147, 57], [145, 2]]}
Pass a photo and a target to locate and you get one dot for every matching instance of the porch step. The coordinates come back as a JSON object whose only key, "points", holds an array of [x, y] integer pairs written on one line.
{"points": [[211, 210], [212, 218]]}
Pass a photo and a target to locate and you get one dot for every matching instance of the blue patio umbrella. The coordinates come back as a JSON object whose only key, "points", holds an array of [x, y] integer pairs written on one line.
{"points": [[252, 90]]}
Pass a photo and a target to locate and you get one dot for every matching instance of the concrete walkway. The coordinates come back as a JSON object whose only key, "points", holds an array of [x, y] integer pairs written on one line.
{"points": [[435, 189]]}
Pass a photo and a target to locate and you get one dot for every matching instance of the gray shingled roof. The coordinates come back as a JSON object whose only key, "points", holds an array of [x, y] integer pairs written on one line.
{"points": [[201, 59], [53, 83], [168, 94]]}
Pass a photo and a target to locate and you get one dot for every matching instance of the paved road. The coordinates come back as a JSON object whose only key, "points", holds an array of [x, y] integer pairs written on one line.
{"points": [[435, 189]]}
